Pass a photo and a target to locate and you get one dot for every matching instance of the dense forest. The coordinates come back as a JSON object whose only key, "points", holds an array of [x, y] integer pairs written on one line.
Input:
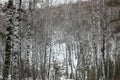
{"points": [[59, 40]]}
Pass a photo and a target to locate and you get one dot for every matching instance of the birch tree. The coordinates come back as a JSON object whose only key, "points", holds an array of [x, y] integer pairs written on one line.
{"points": [[16, 41], [12, 39], [9, 39]]}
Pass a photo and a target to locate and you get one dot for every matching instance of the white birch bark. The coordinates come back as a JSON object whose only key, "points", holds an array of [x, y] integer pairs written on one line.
{"points": [[9, 39], [16, 41]]}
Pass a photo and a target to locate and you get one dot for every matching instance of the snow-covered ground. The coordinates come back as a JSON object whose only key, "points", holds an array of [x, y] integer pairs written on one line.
{"points": [[63, 78], [0, 77], [9, 77]]}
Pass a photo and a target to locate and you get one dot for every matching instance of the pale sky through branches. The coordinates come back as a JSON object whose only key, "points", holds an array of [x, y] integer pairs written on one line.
{"points": [[58, 1]]}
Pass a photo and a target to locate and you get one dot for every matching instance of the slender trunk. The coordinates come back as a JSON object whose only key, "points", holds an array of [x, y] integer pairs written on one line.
{"points": [[16, 42], [9, 39]]}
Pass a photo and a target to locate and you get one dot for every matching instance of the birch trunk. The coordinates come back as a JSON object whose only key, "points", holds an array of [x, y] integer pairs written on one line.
{"points": [[16, 41], [9, 39]]}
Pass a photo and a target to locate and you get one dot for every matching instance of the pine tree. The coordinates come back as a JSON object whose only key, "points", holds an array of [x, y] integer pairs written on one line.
{"points": [[114, 3]]}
